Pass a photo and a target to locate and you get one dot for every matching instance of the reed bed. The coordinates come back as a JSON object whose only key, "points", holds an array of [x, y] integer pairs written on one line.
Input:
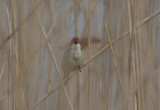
{"points": [[121, 72]]}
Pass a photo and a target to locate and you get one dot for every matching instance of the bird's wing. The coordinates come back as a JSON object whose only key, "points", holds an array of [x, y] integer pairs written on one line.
{"points": [[84, 41]]}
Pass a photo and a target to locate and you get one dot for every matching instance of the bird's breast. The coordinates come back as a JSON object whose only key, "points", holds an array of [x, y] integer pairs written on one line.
{"points": [[76, 54], [72, 59]]}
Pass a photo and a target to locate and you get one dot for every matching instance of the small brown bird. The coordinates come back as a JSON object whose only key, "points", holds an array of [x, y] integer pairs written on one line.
{"points": [[73, 57]]}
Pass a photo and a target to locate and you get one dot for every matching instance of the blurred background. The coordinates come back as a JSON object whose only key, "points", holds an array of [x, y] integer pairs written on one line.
{"points": [[124, 75]]}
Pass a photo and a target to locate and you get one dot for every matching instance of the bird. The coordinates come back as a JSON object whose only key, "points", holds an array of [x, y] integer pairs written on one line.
{"points": [[73, 57]]}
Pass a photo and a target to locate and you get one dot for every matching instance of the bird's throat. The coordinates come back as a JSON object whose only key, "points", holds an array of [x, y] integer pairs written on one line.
{"points": [[76, 51]]}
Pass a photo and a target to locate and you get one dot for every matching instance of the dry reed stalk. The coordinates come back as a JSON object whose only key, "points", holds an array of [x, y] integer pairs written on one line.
{"points": [[2, 71], [10, 46], [132, 104]]}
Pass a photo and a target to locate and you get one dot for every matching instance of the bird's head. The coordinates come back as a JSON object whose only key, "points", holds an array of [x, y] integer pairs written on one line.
{"points": [[75, 43]]}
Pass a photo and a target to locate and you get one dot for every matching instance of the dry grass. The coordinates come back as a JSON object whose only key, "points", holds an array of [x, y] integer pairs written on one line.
{"points": [[120, 73]]}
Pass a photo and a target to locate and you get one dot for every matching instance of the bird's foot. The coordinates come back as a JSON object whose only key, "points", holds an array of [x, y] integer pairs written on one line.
{"points": [[80, 67]]}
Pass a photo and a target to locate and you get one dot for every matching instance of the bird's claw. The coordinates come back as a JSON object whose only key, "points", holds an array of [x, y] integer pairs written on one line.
{"points": [[80, 67]]}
